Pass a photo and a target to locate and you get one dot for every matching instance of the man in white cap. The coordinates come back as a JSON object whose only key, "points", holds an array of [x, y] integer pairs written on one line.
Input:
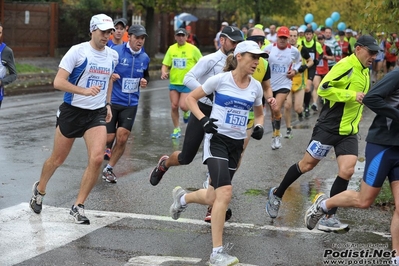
{"points": [[216, 41], [84, 74]]}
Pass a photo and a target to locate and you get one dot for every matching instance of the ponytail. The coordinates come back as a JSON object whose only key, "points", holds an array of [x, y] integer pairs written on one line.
{"points": [[231, 63]]}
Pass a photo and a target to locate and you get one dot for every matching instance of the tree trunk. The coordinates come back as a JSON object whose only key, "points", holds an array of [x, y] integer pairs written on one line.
{"points": [[151, 44]]}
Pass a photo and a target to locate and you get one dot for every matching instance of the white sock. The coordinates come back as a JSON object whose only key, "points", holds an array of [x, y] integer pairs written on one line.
{"points": [[109, 166], [215, 250], [323, 206], [183, 200], [395, 261]]}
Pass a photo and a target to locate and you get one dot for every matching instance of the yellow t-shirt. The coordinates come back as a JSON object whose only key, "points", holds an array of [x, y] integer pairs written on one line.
{"points": [[299, 80], [180, 59]]}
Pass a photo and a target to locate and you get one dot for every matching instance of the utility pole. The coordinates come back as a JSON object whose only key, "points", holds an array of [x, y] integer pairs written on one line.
{"points": [[124, 10]]}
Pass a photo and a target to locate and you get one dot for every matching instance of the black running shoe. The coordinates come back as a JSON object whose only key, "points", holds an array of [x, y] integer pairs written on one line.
{"points": [[208, 215], [78, 214], [300, 116], [158, 172]]}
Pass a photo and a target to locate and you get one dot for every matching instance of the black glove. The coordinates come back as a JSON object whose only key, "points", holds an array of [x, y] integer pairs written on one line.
{"points": [[302, 68], [208, 125], [258, 132], [315, 62]]}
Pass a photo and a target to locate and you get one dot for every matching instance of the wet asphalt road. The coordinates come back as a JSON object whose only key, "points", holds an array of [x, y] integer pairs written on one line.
{"points": [[27, 126]]}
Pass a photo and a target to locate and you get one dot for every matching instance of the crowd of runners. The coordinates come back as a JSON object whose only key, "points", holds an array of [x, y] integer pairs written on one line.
{"points": [[223, 96]]}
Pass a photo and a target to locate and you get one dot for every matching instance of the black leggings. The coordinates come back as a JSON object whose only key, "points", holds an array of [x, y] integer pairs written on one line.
{"points": [[220, 173], [193, 136]]}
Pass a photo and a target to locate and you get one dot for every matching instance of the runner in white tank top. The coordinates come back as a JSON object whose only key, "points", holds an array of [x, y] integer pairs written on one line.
{"points": [[284, 61]]}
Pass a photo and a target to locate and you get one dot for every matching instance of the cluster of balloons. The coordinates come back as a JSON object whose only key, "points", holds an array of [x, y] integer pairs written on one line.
{"points": [[335, 16]]}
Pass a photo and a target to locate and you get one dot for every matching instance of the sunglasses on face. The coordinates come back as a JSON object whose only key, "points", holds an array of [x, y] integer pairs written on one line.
{"points": [[257, 39], [371, 53]]}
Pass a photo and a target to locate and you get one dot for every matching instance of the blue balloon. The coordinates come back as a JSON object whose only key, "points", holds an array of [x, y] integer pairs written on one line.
{"points": [[308, 18], [335, 16], [329, 22], [341, 26], [303, 27], [314, 25]]}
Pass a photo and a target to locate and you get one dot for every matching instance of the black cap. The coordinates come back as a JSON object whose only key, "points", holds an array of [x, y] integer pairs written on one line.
{"points": [[309, 30], [341, 33], [120, 20], [137, 30], [369, 42], [233, 33], [181, 31]]}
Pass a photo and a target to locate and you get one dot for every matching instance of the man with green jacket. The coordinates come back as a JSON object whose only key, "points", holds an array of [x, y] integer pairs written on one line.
{"points": [[342, 89]]}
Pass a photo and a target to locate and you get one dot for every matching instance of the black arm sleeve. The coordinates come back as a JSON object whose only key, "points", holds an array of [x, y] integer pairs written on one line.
{"points": [[147, 74]]}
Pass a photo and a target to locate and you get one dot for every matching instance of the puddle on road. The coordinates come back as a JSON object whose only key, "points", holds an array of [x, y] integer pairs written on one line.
{"points": [[299, 195]]}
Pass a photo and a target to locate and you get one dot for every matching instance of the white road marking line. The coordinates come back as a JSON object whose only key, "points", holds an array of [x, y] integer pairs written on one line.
{"points": [[25, 234]]}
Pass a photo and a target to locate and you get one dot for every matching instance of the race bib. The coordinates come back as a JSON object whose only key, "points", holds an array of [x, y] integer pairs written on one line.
{"points": [[318, 150], [312, 55], [236, 118], [276, 68], [179, 63], [321, 63], [130, 85], [95, 82]]}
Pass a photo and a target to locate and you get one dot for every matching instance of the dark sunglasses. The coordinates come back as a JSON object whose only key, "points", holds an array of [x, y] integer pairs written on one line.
{"points": [[372, 53], [257, 39]]}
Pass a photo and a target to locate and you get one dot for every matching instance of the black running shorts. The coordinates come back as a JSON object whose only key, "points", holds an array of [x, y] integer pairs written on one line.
{"points": [[74, 121]]}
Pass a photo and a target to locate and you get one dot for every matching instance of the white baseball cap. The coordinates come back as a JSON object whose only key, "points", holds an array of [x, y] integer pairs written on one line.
{"points": [[101, 22], [300, 29], [249, 47], [224, 23], [348, 31]]}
